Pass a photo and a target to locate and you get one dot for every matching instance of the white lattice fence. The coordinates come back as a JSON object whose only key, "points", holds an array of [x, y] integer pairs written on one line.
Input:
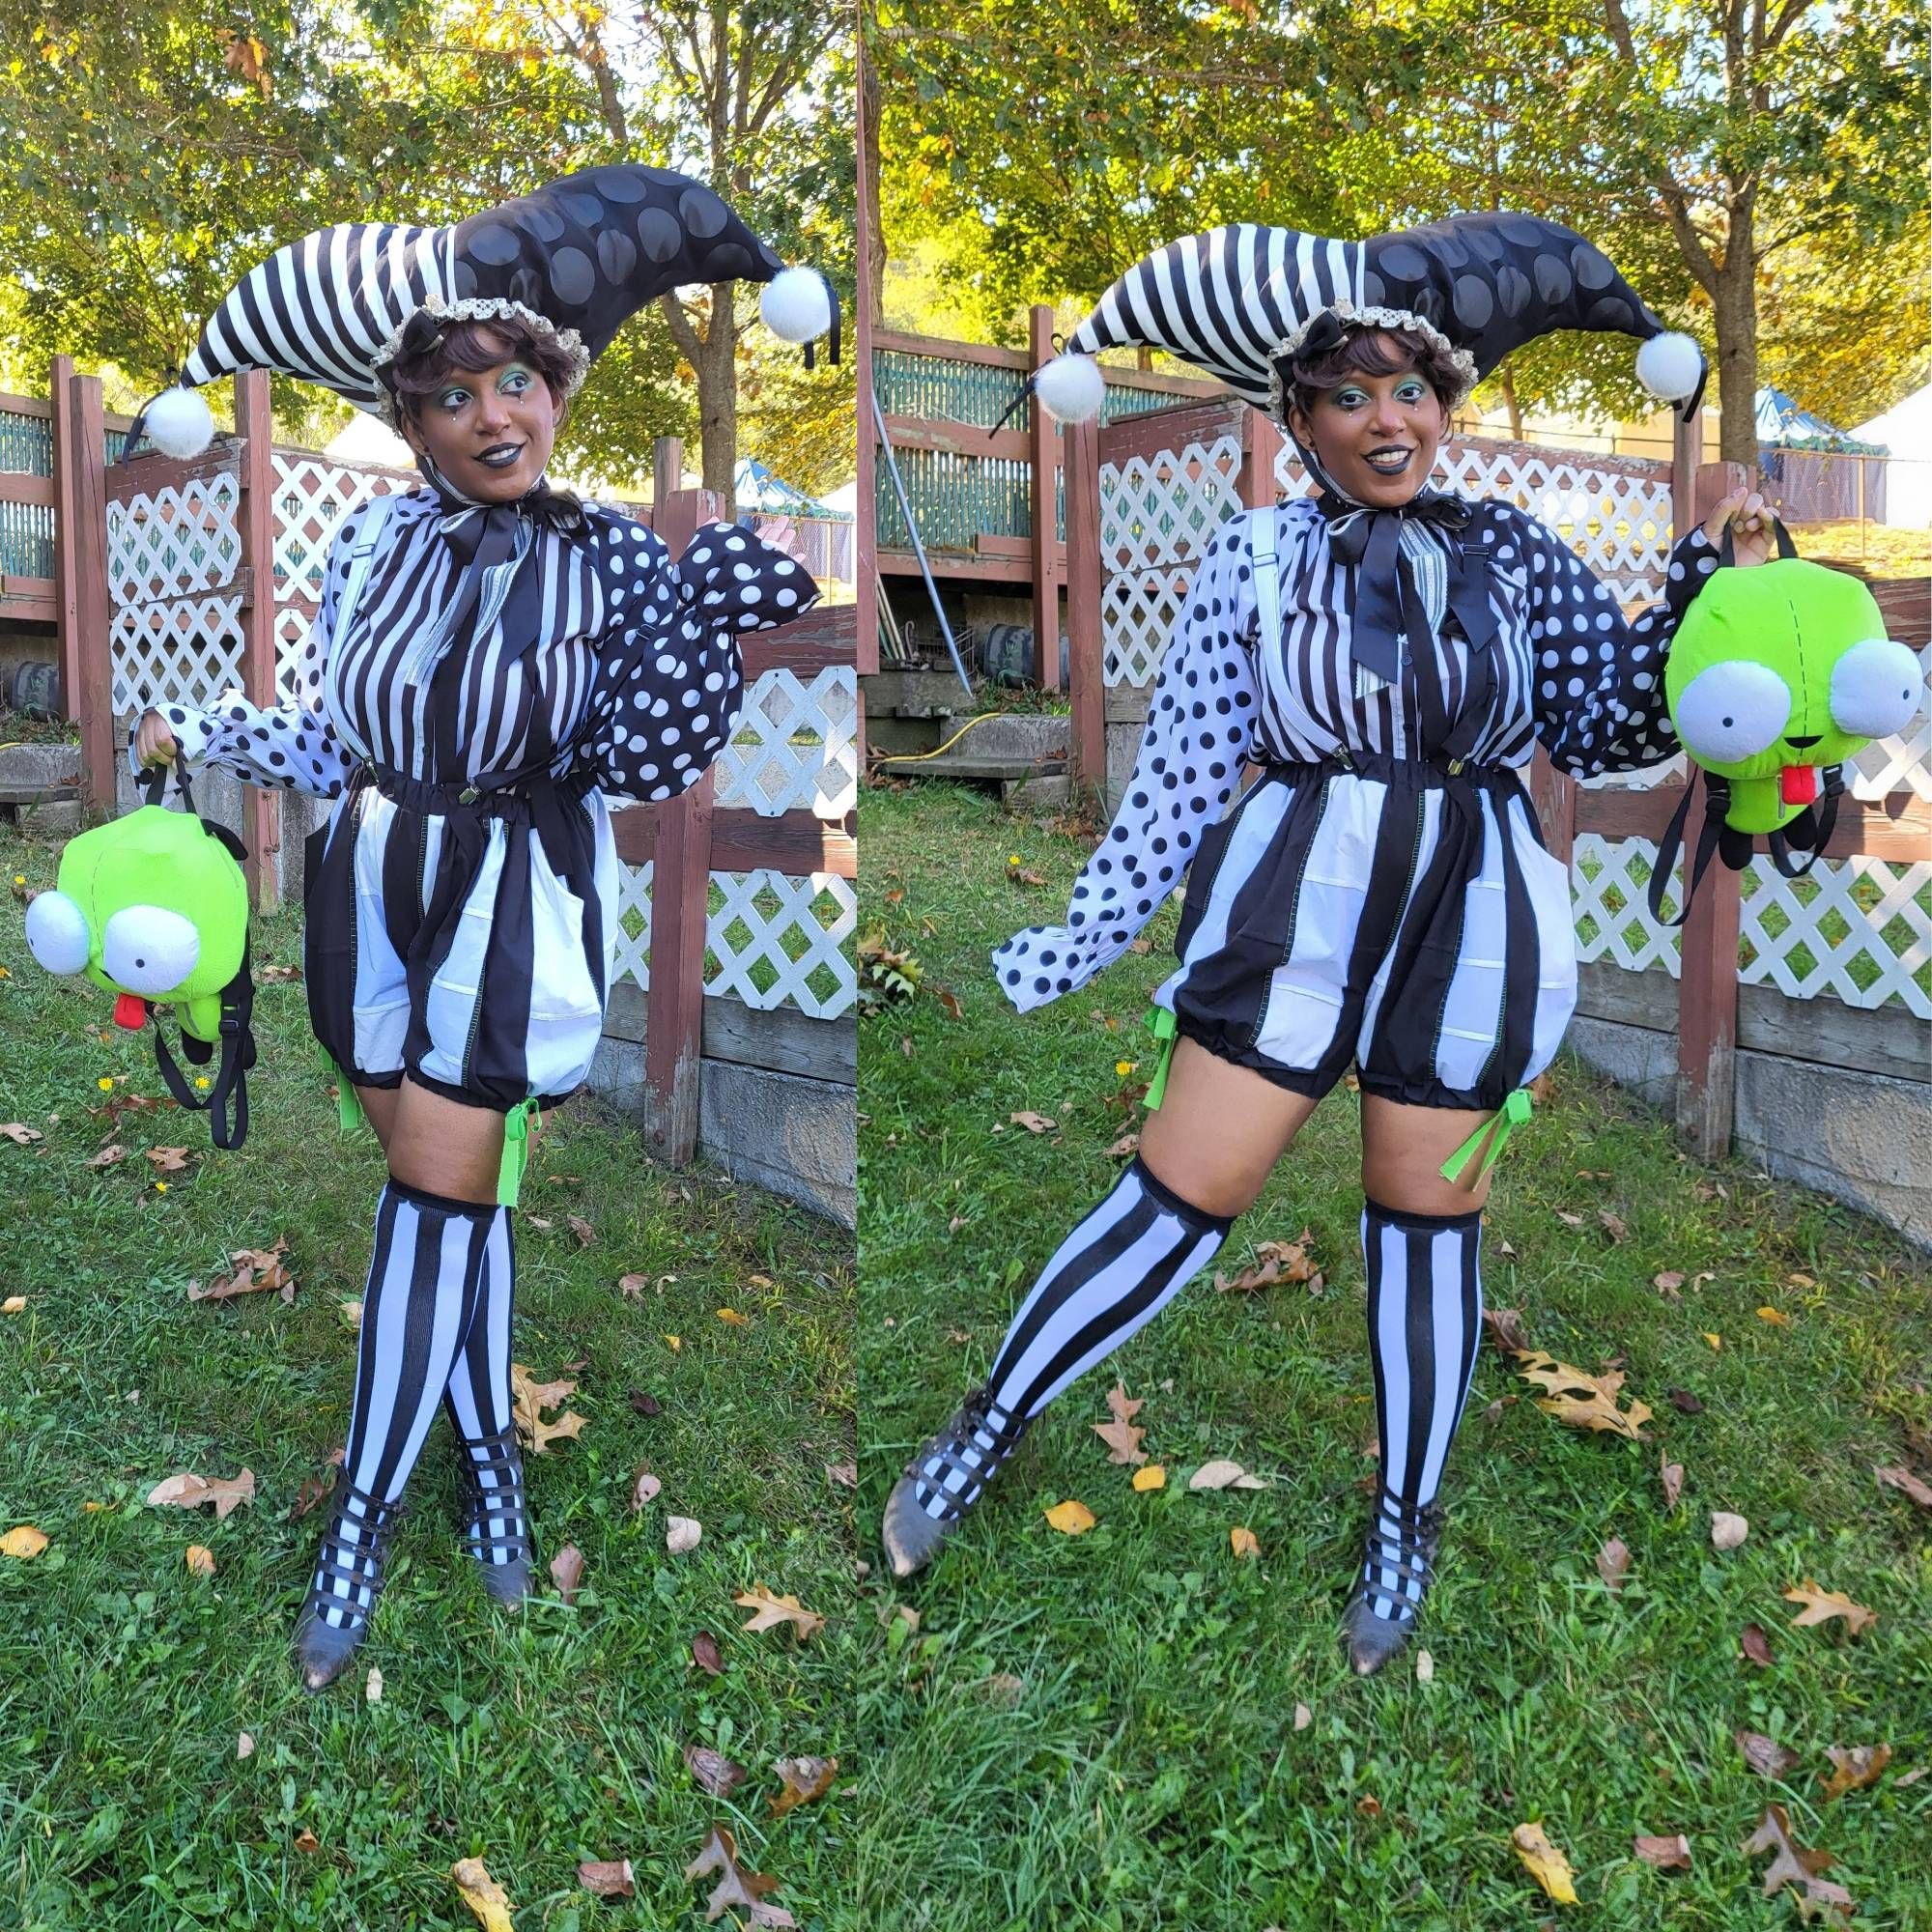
{"points": [[796, 747], [175, 631], [312, 498]]}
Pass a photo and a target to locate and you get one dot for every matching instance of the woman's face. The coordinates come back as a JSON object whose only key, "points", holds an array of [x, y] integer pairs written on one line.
{"points": [[1377, 436], [490, 431]]}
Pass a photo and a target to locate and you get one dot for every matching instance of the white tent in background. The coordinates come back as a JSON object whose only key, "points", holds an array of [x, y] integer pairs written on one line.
{"points": [[1906, 432]]}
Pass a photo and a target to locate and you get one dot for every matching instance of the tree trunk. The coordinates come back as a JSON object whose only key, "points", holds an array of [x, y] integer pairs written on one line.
{"points": [[873, 294], [1510, 404], [718, 396], [1734, 306]]}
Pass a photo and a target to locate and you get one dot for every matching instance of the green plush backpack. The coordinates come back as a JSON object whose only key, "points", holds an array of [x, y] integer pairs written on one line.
{"points": [[1776, 675], [154, 909]]}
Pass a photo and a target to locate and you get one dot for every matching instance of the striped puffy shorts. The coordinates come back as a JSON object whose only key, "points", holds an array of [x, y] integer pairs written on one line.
{"points": [[461, 940], [1385, 913]]}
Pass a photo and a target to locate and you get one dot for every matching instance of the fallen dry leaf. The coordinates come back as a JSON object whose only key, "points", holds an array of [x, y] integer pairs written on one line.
{"points": [[350, 1315], [1274, 1261], [713, 1771], [1504, 1327], [244, 1745], [1684, 1401], [1765, 1755], [732, 1319], [1800, 1280], [1896, 1477], [1242, 1543], [1793, 1865], [1667, 1284], [21, 1134], [168, 1159], [1303, 1717], [842, 1475], [108, 1156], [372, 1685], [585, 1233], [1369, 1806], [1034, 1124], [608, 1878], [1671, 1854], [1716, 1341], [256, 1270], [1821, 1606], [1671, 1475], [15, 1304], [682, 1533], [1220, 1474], [1777, 1316], [1568, 1220], [1728, 1531], [644, 1488], [737, 1885], [1584, 1401], [529, 1397], [1002, 1690], [1072, 1517], [804, 1779], [566, 1572], [632, 1286], [1119, 1434], [23, 1542], [306, 1840], [200, 1560], [643, 1404], [483, 1895], [1854, 1768], [1128, 1144], [189, 1492], [770, 1611], [1613, 1226], [1152, 1476], [1425, 1667], [705, 1654], [275, 976], [1754, 1644], [1547, 1866], [1612, 1562]]}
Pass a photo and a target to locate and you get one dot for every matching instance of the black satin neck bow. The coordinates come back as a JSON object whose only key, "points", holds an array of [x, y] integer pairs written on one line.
{"points": [[489, 530], [1388, 606]]}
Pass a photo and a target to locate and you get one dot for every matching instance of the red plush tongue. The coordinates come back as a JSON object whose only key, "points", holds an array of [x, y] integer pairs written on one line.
{"points": [[1798, 785], [131, 1010]]}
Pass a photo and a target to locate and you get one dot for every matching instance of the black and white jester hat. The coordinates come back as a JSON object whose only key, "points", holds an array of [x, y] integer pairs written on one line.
{"points": [[573, 260], [1242, 300]]}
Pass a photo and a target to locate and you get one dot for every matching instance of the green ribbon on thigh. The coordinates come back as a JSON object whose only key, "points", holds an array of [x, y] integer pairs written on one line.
{"points": [[1513, 1113], [1160, 1023], [518, 1123]]}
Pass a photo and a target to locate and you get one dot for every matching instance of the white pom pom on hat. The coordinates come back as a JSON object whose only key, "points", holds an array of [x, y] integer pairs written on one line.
{"points": [[1071, 389], [796, 306], [1670, 366], [178, 423]]}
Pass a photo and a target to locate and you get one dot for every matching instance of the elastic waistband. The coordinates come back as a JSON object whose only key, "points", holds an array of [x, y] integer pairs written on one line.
{"points": [[1380, 766], [512, 801]]}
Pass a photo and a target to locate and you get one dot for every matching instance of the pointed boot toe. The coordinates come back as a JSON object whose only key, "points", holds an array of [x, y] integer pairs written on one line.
{"points": [[496, 1528], [1371, 1639], [912, 1539], [507, 1583], [322, 1649], [973, 1447]]}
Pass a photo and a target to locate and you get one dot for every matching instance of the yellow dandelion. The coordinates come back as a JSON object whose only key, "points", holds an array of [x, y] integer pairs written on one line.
{"points": [[201, 1079], [19, 878], [1013, 858], [105, 1083], [160, 1187], [1122, 1068]]}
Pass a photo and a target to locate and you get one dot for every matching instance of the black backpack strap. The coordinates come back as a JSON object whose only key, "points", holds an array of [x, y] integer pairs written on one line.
{"points": [[1810, 832], [1712, 834], [1728, 548]]}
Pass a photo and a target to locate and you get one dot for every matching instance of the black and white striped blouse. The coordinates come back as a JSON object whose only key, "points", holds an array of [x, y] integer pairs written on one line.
{"points": [[634, 672], [1571, 672]]}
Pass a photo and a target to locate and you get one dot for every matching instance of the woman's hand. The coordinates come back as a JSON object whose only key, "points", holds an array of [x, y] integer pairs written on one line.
{"points": [[1750, 520], [154, 743]]}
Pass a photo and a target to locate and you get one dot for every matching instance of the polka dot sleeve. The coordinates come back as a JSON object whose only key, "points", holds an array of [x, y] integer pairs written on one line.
{"points": [[293, 746], [671, 680], [1600, 703], [1200, 729]]}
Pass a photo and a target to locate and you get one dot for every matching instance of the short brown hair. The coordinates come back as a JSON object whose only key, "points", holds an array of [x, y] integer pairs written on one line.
{"points": [[1373, 350], [466, 347]]}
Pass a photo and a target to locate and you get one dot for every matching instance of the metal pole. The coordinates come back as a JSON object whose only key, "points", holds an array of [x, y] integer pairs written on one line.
{"points": [[919, 548]]}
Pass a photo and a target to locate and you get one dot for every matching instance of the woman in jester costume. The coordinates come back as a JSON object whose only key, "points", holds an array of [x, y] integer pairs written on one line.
{"points": [[492, 662], [1389, 655]]}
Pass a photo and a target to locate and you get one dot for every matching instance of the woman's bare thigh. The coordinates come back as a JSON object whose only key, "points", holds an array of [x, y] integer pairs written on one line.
{"points": [[1218, 1131], [1403, 1151], [443, 1145]]}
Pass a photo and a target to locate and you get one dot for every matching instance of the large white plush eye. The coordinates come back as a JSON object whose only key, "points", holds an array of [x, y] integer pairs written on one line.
{"points": [[149, 950], [1875, 689], [1732, 711], [57, 933]]}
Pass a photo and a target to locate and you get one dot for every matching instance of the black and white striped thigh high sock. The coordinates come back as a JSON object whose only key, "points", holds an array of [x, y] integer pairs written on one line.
{"points": [[1111, 1276], [478, 1394], [424, 1280], [1425, 1321]]}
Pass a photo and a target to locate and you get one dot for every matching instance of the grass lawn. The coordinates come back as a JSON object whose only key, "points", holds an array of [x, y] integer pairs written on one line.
{"points": [[533, 1740], [1100, 1731]]}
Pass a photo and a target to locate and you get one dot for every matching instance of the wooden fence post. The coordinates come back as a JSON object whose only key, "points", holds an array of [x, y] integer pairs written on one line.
{"points": [[255, 524], [1707, 1007], [85, 462], [667, 474], [1044, 441], [1086, 669], [1260, 444], [865, 557], [61, 427], [680, 908]]}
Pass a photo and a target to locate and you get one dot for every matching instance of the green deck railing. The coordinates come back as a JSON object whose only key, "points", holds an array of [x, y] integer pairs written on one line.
{"points": [[958, 496]]}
